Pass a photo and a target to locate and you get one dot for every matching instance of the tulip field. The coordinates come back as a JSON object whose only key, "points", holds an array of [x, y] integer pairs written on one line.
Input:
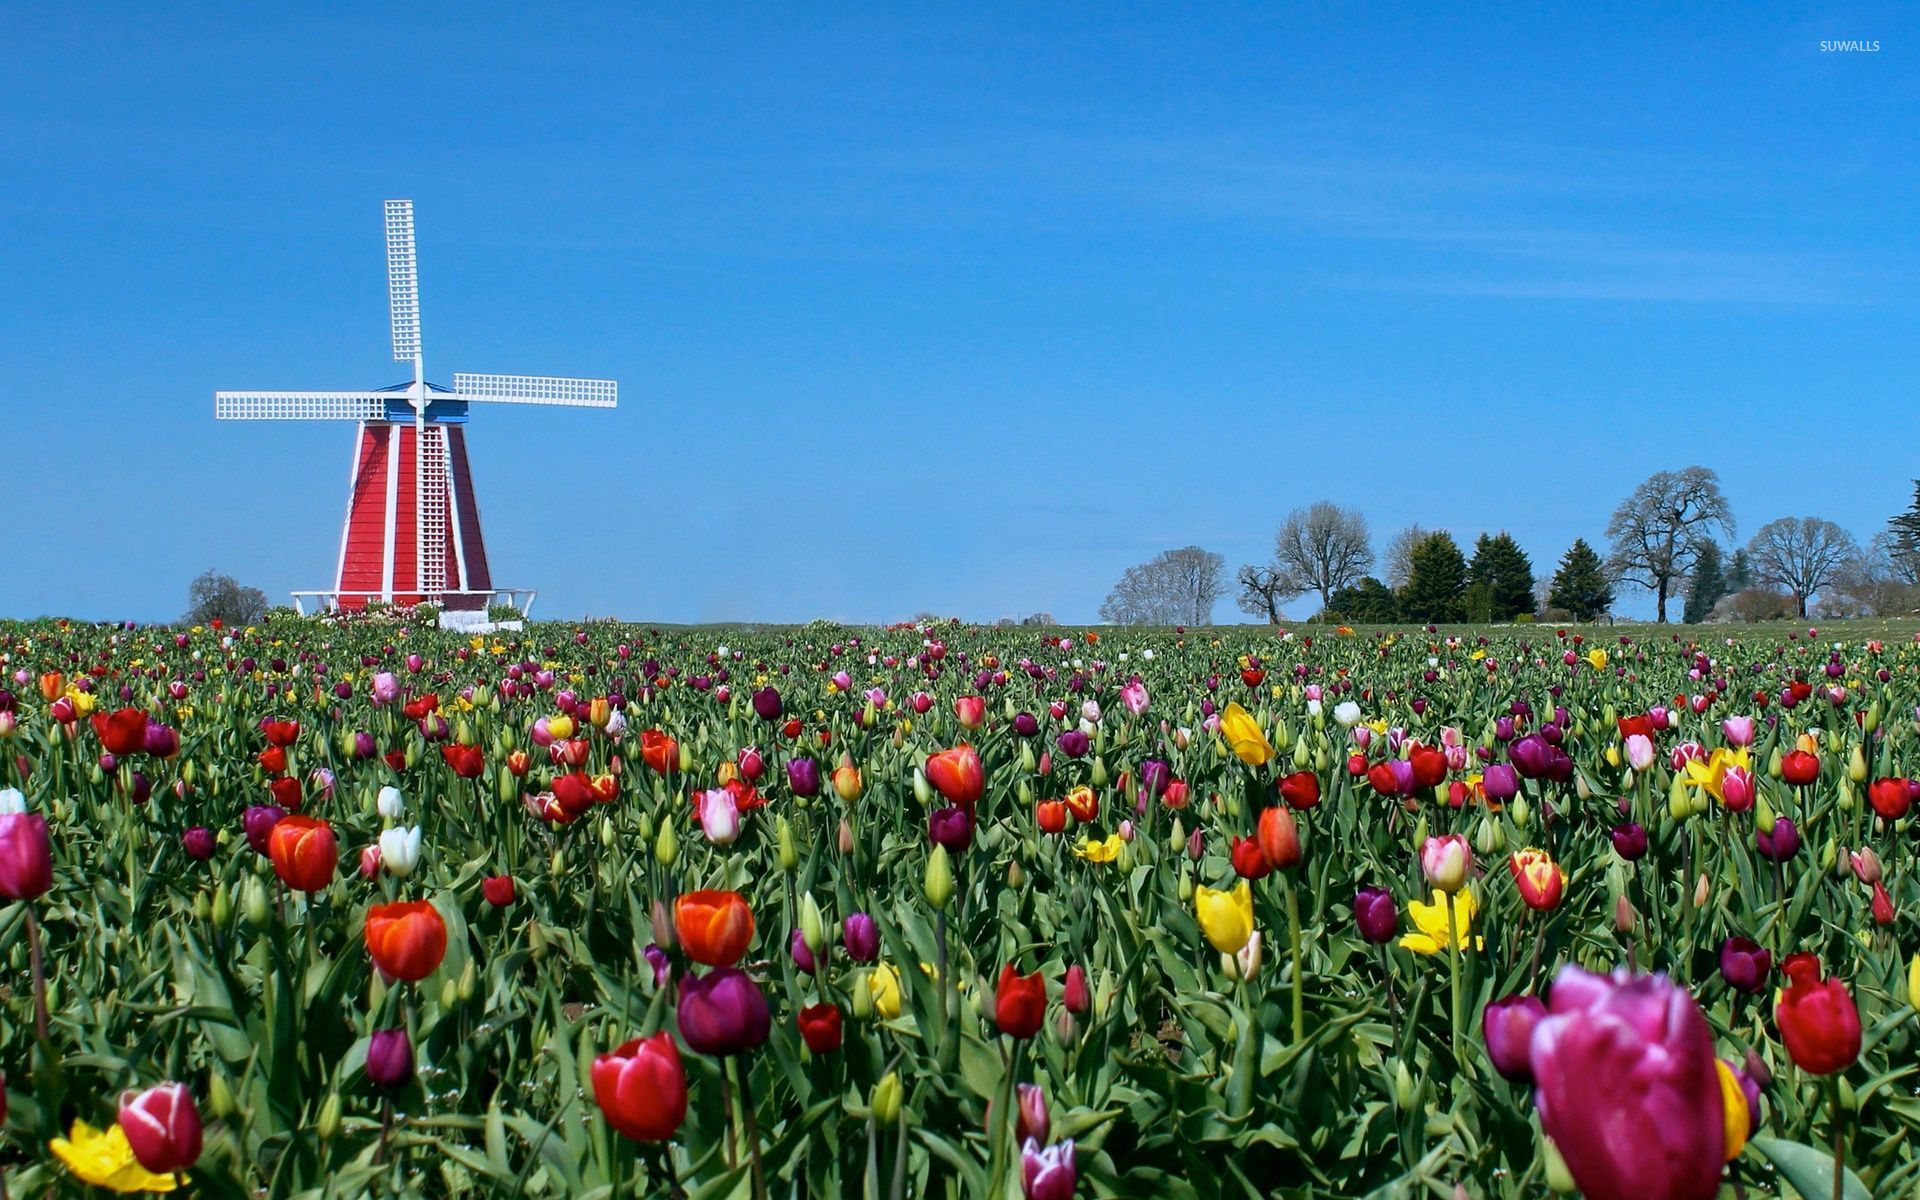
{"points": [[360, 906]]}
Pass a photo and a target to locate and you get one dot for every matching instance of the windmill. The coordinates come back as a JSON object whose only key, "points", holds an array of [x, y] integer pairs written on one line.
{"points": [[412, 529]]}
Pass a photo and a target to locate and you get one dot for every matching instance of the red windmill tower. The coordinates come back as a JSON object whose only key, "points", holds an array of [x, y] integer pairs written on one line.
{"points": [[412, 529]]}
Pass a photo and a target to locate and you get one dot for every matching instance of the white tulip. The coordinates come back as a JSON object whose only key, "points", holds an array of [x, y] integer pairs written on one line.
{"points": [[400, 850], [12, 800], [391, 803]]}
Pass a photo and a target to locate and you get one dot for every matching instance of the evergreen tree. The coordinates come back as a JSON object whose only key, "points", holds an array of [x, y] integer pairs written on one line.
{"points": [[1436, 581], [1368, 602], [1903, 535], [1707, 584], [1739, 573], [1580, 586], [1504, 568]]}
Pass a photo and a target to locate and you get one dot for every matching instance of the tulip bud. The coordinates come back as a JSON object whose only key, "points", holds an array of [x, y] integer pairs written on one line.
{"points": [[1521, 812], [222, 909], [666, 847], [884, 1100], [783, 841], [1857, 765], [1913, 982], [1559, 1179], [862, 1000], [1623, 915], [922, 790], [328, 1122], [219, 1096], [254, 904], [845, 837], [1405, 1092], [939, 878], [1700, 891], [812, 927]]}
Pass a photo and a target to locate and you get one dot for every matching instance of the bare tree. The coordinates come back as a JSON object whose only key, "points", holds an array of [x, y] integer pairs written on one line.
{"points": [[1398, 563], [1263, 590], [216, 597], [1177, 587], [1800, 554], [1658, 530], [1323, 547]]}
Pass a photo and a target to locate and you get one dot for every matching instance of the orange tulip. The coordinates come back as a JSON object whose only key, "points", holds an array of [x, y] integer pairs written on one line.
{"points": [[51, 685], [406, 940], [957, 775], [714, 927], [304, 851], [659, 751]]}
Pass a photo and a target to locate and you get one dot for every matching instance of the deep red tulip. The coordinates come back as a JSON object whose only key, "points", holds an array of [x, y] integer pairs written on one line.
{"points": [[466, 761], [498, 890], [820, 1027], [1249, 862], [1300, 790], [1799, 768], [162, 1127], [122, 732], [1891, 798]]}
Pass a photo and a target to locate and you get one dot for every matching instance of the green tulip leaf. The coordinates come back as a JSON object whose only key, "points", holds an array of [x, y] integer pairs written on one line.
{"points": [[1810, 1171]]}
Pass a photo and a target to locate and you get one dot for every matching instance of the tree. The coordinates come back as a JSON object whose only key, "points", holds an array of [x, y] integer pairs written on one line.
{"points": [[1799, 554], [1369, 602], [1039, 618], [1263, 590], [1507, 573], [1323, 548], [1903, 541], [1706, 585], [1436, 578], [1398, 563], [1177, 587], [1739, 572], [1657, 532], [1580, 586], [216, 597]]}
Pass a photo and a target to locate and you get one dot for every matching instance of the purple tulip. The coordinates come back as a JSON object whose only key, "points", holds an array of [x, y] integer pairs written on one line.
{"points": [[658, 960], [1500, 782], [198, 842], [861, 937], [723, 1012], [1074, 743], [1626, 1086], [952, 828], [26, 856], [1032, 1122], [1780, 843], [389, 1058], [1375, 914], [803, 774], [1050, 1173], [258, 821], [1506, 1025], [802, 953], [1154, 777], [363, 744], [161, 742], [1629, 841], [1025, 724], [1744, 964]]}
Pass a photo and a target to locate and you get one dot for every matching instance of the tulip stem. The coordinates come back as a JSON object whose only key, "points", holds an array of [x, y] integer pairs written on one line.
{"points": [[39, 975], [751, 1124], [1839, 1138], [1293, 935], [1453, 953]]}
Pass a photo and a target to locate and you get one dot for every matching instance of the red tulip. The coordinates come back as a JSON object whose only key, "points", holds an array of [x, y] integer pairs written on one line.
{"points": [[1799, 768], [123, 732], [1300, 790], [641, 1088], [1020, 1002], [466, 761], [1279, 838], [957, 775], [659, 751], [1075, 994], [304, 852], [286, 793], [1429, 765], [1817, 1018], [281, 733], [273, 760], [406, 940], [162, 1127], [1248, 860], [820, 1027], [1051, 816], [1890, 797], [971, 711], [498, 890]]}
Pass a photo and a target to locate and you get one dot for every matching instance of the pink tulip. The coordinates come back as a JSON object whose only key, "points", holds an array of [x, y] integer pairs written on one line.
{"points": [[1738, 731], [162, 1127], [1625, 1082], [26, 856]]}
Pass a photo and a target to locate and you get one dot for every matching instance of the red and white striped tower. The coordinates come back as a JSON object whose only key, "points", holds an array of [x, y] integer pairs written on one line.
{"points": [[412, 529]]}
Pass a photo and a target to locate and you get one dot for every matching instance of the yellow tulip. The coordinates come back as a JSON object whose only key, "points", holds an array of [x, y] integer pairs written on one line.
{"points": [[1913, 982], [106, 1160], [883, 984], [1226, 917], [1102, 851], [1597, 658], [1243, 735], [1733, 1106], [1431, 921]]}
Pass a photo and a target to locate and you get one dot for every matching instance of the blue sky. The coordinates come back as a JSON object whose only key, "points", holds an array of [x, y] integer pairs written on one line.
{"points": [[957, 311]]}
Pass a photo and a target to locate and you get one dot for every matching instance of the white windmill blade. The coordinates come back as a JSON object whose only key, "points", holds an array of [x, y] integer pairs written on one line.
{"points": [[534, 389], [301, 406], [403, 281]]}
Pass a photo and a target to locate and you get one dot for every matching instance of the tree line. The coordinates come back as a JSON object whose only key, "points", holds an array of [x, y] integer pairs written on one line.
{"points": [[1672, 537]]}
